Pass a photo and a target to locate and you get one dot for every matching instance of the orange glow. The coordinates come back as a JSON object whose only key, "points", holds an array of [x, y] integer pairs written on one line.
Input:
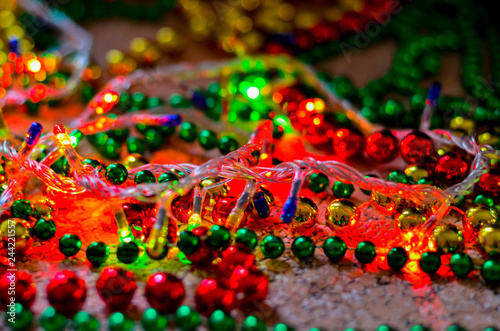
{"points": [[277, 97], [3, 92]]}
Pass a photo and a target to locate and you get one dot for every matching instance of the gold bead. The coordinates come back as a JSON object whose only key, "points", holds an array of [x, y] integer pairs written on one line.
{"points": [[416, 172], [462, 126], [341, 214], [43, 207], [447, 239], [387, 205], [249, 4], [22, 237], [286, 12], [487, 139], [215, 193], [305, 217], [170, 41], [410, 219], [114, 56], [478, 216], [134, 160], [488, 240]]}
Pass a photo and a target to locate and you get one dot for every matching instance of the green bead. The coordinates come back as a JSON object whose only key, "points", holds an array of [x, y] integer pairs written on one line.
{"points": [[218, 237], [220, 321], [365, 252], [154, 138], [188, 132], [21, 208], [282, 327], [136, 145], [456, 328], [154, 102], [178, 101], [188, 242], [44, 229], [116, 173], [318, 182], [369, 192], [397, 258], [491, 272], [127, 252], [393, 110], [303, 247], [144, 176], [272, 247], [461, 264], [138, 100], [419, 328], [425, 181], [70, 244], [118, 322], [227, 144], [22, 320], [246, 237], [97, 253], [93, 163], [119, 135], [111, 149], [484, 199], [153, 321], [460, 202], [430, 262], [342, 190], [167, 177], [398, 176], [187, 319], [253, 323], [334, 248], [481, 115], [208, 139], [85, 322], [370, 114], [51, 320]]}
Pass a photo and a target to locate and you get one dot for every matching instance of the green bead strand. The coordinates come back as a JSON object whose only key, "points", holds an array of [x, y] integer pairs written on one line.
{"points": [[303, 247], [70, 244], [127, 252], [365, 252], [272, 247]]}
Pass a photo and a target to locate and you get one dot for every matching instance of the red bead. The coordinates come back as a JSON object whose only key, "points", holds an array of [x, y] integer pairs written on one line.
{"points": [[24, 290], [116, 287], [204, 255], [182, 207], [320, 136], [348, 143], [490, 184], [416, 148], [165, 292], [211, 296], [382, 147], [233, 256], [141, 226], [251, 285], [451, 168], [66, 292]]}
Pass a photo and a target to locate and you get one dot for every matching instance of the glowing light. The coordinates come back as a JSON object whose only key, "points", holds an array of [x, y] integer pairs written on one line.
{"points": [[108, 97], [253, 92], [34, 66], [310, 106]]}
